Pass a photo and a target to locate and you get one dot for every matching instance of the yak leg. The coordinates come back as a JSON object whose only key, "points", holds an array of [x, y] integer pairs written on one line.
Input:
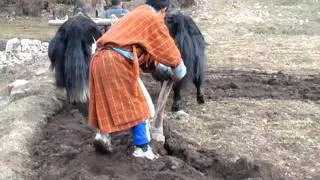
{"points": [[83, 109], [176, 96], [200, 97]]}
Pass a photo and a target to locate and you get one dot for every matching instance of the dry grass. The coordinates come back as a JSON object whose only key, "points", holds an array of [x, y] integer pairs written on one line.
{"points": [[272, 53], [263, 35]]}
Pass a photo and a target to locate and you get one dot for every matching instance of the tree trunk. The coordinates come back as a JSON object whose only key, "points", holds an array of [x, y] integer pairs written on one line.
{"points": [[93, 6]]}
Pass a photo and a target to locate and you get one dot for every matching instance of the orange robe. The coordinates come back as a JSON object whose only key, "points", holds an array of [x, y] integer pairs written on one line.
{"points": [[116, 101]]}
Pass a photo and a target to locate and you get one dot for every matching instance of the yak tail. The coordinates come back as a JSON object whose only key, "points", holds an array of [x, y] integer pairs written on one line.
{"points": [[76, 68], [199, 59], [56, 51]]}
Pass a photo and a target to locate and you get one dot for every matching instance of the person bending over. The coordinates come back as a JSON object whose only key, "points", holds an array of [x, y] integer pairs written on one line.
{"points": [[118, 98]]}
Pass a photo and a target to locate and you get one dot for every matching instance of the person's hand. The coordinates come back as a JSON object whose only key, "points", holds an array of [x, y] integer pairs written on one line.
{"points": [[174, 77], [162, 72], [162, 12]]}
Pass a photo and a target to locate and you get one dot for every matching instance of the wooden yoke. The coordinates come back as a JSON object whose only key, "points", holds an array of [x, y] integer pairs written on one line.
{"points": [[98, 21]]}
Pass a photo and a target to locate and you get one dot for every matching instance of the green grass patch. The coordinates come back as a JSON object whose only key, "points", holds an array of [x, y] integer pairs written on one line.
{"points": [[31, 28]]}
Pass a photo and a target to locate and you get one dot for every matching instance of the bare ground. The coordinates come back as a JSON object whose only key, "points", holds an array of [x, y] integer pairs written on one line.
{"points": [[64, 151], [225, 139]]}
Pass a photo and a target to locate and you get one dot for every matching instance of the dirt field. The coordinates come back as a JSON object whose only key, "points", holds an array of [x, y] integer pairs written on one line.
{"points": [[261, 119], [236, 138]]}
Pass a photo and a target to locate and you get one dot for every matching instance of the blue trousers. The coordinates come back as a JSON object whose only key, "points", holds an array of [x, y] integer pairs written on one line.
{"points": [[141, 133]]}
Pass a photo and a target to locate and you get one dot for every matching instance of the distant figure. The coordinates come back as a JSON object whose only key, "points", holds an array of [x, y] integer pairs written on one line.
{"points": [[116, 9]]}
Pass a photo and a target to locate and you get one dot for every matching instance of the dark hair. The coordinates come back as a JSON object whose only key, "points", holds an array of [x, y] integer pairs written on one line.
{"points": [[115, 2], [79, 10], [158, 4]]}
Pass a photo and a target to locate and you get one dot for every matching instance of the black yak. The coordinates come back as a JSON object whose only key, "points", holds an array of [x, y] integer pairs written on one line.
{"points": [[191, 44], [70, 53]]}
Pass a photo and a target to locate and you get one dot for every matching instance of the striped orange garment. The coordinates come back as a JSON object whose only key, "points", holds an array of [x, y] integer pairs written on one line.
{"points": [[116, 101]]}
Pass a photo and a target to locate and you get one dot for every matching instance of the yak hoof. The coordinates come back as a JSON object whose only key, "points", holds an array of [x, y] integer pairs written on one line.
{"points": [[175, 107], [200, 99]]}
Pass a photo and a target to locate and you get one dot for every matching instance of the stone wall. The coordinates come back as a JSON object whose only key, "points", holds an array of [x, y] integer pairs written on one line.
{"points": [[21, 51]]}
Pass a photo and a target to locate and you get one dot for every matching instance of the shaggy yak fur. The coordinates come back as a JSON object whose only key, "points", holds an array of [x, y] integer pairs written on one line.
{"points": [[191, 44], [70, 53]]}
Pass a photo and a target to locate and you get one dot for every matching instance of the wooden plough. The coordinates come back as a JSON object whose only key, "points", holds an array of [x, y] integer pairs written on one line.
{"points": [[157, 123]]}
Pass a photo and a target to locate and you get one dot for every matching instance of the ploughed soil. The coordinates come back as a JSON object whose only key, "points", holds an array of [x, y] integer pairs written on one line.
{"points": [[63, 150]]}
